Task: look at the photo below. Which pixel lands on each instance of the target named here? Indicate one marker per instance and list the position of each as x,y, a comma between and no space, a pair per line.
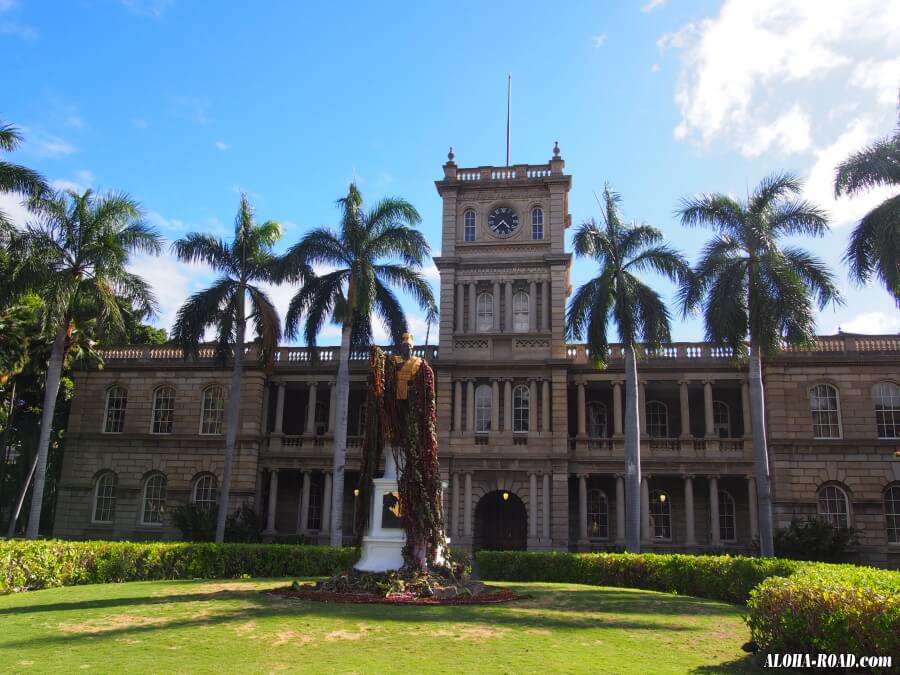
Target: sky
185,105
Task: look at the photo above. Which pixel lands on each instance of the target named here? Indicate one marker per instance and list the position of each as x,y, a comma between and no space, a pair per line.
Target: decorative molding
531,343
470,344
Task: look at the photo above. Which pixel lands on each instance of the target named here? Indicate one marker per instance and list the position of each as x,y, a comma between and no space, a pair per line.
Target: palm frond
204,248
877,164
201,310
874,247
266,323
388,309
772,189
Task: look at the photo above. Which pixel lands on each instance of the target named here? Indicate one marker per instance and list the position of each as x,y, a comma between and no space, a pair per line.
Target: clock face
503,221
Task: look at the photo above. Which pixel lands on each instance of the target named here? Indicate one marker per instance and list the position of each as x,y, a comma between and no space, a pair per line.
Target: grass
229,626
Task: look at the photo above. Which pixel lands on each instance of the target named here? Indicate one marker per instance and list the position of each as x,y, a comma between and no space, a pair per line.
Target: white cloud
11,205
85,176
11,26
881,77
653,4
654,68
872,323
42,144
599,39
172,282
67,185
789,134
222,145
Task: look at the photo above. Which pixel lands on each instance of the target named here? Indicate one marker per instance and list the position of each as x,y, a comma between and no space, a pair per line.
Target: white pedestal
382,548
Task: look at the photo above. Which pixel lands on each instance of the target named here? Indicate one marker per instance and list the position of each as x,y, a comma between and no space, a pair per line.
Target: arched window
887,409
892,513
104,498
520,408
520,312
485,312
154,499
482,409
727,530
826,412
537,223
361,420
833,506
116,402
212,412
596,413
721,419
163,410
314,514
660,515
205,494
597,515
469,225
657,419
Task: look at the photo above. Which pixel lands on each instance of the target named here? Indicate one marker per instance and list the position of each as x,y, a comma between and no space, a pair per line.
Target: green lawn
228,626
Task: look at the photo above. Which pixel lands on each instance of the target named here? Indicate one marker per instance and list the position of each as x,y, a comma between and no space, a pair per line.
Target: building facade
530,432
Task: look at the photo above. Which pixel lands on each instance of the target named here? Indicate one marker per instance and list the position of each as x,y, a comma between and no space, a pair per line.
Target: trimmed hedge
31,565
828,609
715,577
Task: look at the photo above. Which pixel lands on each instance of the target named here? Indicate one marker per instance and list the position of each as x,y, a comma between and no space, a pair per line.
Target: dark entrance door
500,524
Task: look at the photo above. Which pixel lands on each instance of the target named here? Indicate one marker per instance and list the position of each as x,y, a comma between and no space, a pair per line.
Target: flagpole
508,102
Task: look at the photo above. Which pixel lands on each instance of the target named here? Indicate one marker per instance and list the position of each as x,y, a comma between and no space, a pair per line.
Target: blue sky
185,105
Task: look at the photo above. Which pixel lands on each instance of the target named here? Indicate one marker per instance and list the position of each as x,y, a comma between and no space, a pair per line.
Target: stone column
620,509
507,314
460,307
532,406
311,408
467,507
645,509
745,407
708,408
304,503
582,507
454,504
332,406
642,407
326,504
752,507
714,535
279,408
532,306
684,399
470,406
495,299
689,537
545,406
507,406
545,506
581,409
273,501
617,409
545,305
457,406
532,506
473,288
495,406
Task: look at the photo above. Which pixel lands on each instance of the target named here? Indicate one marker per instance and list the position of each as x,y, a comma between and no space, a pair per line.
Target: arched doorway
501,522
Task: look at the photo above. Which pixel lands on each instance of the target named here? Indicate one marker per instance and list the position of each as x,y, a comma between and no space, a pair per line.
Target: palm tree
874,247
373,250
750,287
75,256
242,264
15,178
637,310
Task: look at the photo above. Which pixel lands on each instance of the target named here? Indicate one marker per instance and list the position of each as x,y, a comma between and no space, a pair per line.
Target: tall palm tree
15,178
243,264
75,256
755,293
618,295
372,251
874,248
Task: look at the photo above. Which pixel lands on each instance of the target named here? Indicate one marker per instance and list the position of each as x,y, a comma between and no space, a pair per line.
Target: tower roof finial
450,155
556,149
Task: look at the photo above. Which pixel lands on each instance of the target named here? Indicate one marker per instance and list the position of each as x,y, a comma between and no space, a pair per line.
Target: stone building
530,432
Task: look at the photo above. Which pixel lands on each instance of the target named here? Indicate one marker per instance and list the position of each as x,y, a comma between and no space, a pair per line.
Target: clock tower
502,412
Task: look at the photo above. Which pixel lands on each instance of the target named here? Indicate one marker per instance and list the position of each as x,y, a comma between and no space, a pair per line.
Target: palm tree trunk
340,438
20,500
51,390
632,456
760,452
234,415
4,439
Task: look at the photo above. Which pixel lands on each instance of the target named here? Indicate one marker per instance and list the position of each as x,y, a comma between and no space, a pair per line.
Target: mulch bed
495,595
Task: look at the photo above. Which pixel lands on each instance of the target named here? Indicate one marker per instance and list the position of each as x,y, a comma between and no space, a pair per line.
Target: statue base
382,547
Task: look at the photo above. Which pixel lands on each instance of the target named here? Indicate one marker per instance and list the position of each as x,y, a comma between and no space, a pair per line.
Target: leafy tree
874,248
639,313
751,288
243,264
15,178
372,251
75,255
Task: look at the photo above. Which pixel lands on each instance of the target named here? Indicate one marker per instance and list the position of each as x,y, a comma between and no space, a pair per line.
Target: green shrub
198,523
716,577
31,565
829,609
814,539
